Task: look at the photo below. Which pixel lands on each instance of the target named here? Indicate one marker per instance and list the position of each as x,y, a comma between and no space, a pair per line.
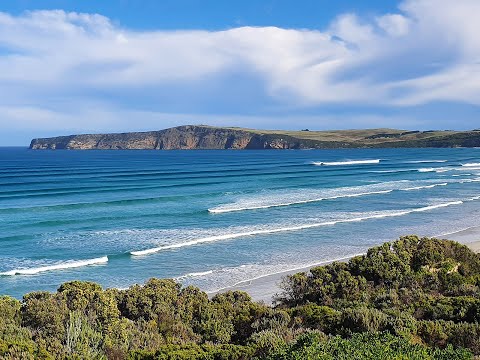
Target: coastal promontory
191,137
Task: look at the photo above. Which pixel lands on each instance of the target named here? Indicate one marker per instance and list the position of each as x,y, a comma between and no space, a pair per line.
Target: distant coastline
192,137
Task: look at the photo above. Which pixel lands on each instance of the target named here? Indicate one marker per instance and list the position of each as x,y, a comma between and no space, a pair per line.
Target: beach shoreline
264,288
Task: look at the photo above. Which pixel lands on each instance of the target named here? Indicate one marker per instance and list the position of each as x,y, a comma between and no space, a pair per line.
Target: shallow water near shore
217,218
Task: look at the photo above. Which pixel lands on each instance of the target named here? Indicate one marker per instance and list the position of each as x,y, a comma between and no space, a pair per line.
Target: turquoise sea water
216,218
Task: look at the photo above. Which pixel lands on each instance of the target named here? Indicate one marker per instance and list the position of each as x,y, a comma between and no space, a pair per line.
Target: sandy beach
265,287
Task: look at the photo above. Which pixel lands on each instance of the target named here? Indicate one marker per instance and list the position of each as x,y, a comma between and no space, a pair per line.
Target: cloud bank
69,71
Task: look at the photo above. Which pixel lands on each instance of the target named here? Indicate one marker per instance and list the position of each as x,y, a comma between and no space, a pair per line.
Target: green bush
363,346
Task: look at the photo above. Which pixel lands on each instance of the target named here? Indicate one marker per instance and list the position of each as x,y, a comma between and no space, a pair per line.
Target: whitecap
59,266
425,161
195,274
347,162
424,187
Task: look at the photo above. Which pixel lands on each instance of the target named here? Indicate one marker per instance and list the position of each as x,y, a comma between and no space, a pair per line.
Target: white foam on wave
424,187
60,266
437,170
391,171
297,202
195,274
347,162
465,167
298,197
254,232
463,181
432,207
425,161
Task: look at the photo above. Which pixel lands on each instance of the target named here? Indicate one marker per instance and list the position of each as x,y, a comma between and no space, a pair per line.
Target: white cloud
394,24
102,119
427,52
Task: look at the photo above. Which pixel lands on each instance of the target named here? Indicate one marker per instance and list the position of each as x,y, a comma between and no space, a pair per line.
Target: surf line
287,229
227,209
60,266
219,210
341,163
194,274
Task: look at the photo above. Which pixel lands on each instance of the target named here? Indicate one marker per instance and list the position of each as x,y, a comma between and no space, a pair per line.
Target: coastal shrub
461,335
242,311
362,319
82,340
266,342
397,274
363,346
314,316
194,352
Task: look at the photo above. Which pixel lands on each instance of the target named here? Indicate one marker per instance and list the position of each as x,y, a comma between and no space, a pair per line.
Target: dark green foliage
193,351
410,299
426,289
319,317
399,271
364,346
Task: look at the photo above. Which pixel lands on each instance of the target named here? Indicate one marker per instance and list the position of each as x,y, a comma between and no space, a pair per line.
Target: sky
89,66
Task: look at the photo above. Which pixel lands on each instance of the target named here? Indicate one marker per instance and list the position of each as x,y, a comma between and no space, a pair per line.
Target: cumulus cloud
62,62
394,24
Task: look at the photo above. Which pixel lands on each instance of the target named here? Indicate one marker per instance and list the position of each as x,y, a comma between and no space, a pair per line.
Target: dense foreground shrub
363,346
410,299
192,352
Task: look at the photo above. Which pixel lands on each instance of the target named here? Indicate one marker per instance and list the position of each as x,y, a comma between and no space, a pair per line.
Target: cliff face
182,137
206,137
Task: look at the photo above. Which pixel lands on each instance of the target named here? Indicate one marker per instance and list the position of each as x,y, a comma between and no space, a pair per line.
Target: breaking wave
349,162
393,171
424,187
61,266
297,202
195,274
425,161
299,198
288,228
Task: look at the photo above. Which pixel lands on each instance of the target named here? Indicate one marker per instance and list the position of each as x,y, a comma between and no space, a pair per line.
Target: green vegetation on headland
209,137
410,299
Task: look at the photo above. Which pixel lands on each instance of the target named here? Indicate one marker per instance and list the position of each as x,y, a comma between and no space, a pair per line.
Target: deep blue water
215,218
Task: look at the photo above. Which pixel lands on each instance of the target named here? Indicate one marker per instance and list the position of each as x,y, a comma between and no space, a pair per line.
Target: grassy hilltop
410,299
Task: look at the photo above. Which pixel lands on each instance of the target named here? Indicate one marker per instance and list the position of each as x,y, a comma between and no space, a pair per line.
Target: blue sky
108,66
210,14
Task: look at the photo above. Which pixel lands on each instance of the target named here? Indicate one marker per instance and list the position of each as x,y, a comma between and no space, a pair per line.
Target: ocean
216,218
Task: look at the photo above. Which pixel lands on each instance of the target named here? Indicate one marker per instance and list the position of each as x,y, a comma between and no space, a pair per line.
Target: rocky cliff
207,137
182,137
